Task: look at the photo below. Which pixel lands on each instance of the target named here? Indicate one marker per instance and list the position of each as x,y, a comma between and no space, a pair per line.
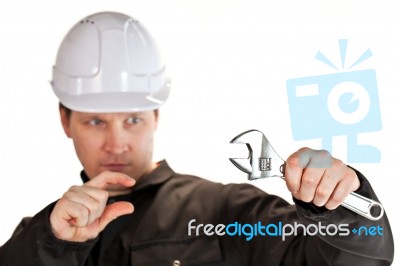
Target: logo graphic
344,103
279,229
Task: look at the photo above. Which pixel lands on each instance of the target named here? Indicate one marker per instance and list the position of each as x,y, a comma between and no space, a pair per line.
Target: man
111,81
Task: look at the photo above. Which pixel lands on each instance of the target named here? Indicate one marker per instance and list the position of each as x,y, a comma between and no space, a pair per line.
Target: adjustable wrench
264,162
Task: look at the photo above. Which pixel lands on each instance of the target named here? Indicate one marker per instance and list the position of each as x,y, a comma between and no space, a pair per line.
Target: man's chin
119,168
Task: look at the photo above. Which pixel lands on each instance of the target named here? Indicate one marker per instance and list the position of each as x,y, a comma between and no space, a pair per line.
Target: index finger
105,179
294,167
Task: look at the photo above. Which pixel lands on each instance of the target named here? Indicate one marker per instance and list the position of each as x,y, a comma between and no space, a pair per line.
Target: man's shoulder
22,225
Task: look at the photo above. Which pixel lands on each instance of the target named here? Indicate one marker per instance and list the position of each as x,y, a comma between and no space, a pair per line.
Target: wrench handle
363,206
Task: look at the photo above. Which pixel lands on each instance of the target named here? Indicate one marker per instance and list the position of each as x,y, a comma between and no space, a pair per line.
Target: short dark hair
68,111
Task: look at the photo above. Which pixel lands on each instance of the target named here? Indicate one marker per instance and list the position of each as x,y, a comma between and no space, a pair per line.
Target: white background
229,61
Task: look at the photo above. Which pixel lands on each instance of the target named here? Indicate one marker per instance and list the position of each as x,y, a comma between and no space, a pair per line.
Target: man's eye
95,122
133,120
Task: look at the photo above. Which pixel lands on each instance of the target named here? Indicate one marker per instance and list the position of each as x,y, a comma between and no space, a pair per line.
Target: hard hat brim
113,102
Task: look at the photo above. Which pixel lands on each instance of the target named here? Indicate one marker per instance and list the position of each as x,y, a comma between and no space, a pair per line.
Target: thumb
113,211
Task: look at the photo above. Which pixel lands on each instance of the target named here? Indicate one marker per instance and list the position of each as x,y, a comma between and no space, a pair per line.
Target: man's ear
65,121
156,116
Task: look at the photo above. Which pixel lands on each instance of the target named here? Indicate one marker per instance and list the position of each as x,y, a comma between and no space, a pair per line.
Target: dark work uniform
157,232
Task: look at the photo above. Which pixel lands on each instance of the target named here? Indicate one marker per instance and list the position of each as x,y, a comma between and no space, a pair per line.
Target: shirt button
176,263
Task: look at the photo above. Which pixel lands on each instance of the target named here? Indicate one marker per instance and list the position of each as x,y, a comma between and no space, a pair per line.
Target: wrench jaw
263,161
242,164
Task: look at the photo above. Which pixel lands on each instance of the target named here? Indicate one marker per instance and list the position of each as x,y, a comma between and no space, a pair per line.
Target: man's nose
116,140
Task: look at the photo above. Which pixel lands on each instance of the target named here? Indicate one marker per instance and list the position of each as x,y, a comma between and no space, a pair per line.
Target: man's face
118,142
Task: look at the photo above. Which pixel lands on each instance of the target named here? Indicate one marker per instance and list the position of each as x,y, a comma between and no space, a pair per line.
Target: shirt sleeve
275,232
33,243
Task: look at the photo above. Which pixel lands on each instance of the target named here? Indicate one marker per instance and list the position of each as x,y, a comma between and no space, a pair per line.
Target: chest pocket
199,250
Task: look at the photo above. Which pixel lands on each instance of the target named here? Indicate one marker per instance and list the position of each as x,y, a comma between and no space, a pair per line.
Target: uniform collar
159,175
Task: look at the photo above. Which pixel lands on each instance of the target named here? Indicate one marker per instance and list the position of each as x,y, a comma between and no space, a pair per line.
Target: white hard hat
108,62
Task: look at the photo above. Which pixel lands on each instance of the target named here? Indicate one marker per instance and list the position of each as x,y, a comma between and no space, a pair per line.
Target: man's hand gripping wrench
264,162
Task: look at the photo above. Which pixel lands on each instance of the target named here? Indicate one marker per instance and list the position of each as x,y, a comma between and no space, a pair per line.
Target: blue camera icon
345,103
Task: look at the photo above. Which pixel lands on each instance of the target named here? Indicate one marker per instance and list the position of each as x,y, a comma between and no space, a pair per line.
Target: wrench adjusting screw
264,164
